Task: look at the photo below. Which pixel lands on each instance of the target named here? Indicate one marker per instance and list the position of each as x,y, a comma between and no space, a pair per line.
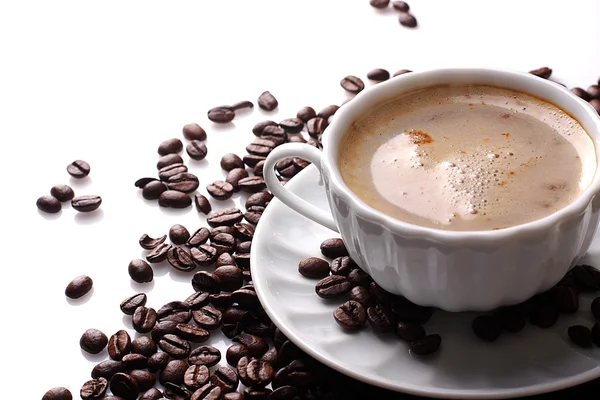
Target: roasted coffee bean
379,3
174,199
543,72
153,190
149,243
285,393
332,286
221,114
198,238
196,376
279,338
380,74
426,345
159,253
93,341
125,386
260,147
358,277
333,248
192,333
261,199
351,315
596,104
197,300
222,229
380,318
235,352
180,259
174,346
205,355
254,373
587,278
158,361
230,277
226,217
594,91
407,19
144,319
595,308
253,214
296,373
292,125
351,83
256,345
208,392
194,132
580,335
107,369
287,168
171,170
296,139
174,311
246,299
140,183
271,356
258,169
208,317
243,231
257,393
233,178
244,247
94,389
543,315
243,261
362,295
204,281
233,396
342,265
381,295
220,190
512,319
79,287
167,160
267,101
240,105
144,345
58,393
178,234
175,392
119,345
409,331
48,204
404,309
306,113
225,259
170,146
140,271
163,328
328,111
579,92
566,299
184,182
259,127
78,169
62,192
315,142
173,372
203,255
275,134
197,150
486,327
225,378
251,160
400,6
221,300
202,203
231,161
86,203
152,394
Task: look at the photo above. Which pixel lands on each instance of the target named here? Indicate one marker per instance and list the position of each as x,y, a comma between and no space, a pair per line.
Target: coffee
467,158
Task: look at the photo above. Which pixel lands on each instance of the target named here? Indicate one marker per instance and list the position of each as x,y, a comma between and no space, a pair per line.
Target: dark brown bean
407,19
230,161
174,199
352,84
596,104
486,327
381,318
342,265
174,311
401,72
159,253
292,125
176,392
149,243
333,248
202,203
594,91
58,393
119,345
580,335
400,6
543,72
203,255
79,287
379,3
253,214
144,345
379,74
221,114
129,305
426,345
153,190
220,190
579,92
595,308
48,204
242,104
235,175
225,259
252,184
261,199
192,333
93,389
144,319
198,238
62,192
314,268
178,234
208,317
167,160
93,341
544,315
170,146
196,376
107,369
78,169
351,315
86,203
144,379
194,132
158,361
140,271
260,147
332,286
362,295
207,392
267,101
409,331
256,345
259,127
223,243
196,300
174,346
230,277
151,394
205,355
226,217
566,299
184,182
225,378
197,150
170,170
306,113
251,160
275,134
173,372
358,277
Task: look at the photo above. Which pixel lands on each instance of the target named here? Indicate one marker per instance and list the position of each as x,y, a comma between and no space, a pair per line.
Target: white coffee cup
451,270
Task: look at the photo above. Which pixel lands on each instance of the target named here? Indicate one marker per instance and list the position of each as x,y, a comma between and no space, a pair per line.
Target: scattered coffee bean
140,271
333,248
486,327
351,83
252,184
358,277
134,361
199,237
225,259
259,127
178,234
400,6
379,3
328,111
267,101
168,159
256,345
220,190
144,345
314,268
276,134
407,19
203,255
158,362
378,74
144,319
175,392
253,393
192,333
594,91
222,229
234,176
94,389
78,169
197,150
174,311
243,247
306,113
163,328
159,253
543,72
124,386
79,286
254,373
170,170
426,345
48,204
230,277
226,217
580,335
221,114
205,355
173,372
261,199
230,161
260,147
194,132
208,317
292,125
207,392
251,160
243,231
93,341
235,352
296,139
174,199
246,299
253,214
119,345
180,259
258,169
285,393
153,190
196,376
579,92
62,192
184,182
170,146
544,316
86,203
149,243
202,203
566,299
225,378
107,369
175,346
58,393
197,300
152,394
362,295
351,315
140,183
381,318
242,104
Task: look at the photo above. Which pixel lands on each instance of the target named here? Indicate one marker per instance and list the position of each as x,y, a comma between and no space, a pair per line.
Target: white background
108,81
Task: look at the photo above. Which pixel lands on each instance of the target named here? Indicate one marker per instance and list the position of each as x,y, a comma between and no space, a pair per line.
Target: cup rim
345,116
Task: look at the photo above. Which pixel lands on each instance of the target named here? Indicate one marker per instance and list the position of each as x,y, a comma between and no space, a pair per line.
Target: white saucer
531,362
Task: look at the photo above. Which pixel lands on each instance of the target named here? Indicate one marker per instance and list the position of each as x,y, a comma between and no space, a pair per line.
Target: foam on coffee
467,158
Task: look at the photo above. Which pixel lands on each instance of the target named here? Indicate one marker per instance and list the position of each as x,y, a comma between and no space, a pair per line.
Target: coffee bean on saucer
226,217
178,234
378,74
595,307
342,265
78,169
594,91
379,3
159,253
140,271
352,84
426,345
358,277
543,72
566,299
86,203
48,204
58,393
407,19
351,315
400,6
380,318
153,190
332,286
306,113
180,259
93,341
362,295
184,182
409,331
79,286
579,92
486,327
205,355
580,335
587,278
267,101
221,114
168,159
543,315
174,199
62,192
596,104
220,190
402,72
314,268
144,319
333,248
93,389
512,319
170,170
194,132
197,150
261,199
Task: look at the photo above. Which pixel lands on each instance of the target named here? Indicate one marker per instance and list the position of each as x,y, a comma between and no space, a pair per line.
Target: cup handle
288,198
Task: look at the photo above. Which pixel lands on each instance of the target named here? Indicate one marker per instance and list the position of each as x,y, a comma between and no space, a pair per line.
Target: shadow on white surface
79,184
142,287
127,321
82,300
181,276
49,216
160,269
89,218
95,358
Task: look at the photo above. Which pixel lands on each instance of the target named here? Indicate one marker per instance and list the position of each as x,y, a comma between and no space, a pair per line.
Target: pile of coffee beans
404,16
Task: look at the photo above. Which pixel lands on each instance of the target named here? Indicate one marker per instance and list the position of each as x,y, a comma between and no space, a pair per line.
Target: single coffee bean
246,299
221,300
107,369
174,311
220,190
382,296
306,113
256,345
221,114
342,265
167,160
409,331
351,83
596,104
58,393
231,161
78,169
358,277
203,255
144,319
174,199
153,190
170,146
243,247
86,203
222,229
260,147
197,150
173,372
253,214
486,327
205,355
225,378
202,203
230,277
261,199
174,346
579,92
124,386
194,132
333,248
144,345
149,243
259,127
580,335
134,361
93,341
227,217
93,389
271,356
543,72
275,134
235,352
225,259
400,6
196,376
566,299
333,286
152,394
180,259
198,238
192,333
407,19
243,231
170,170
351,315
379,74
158,361
140,271
252,184
254,373
267,101
159,253
426,345
594,91
235,175
362,295
140,183
48,204
595,307
380,318
251,160
175,392
328,111
287,168
379,3
586,278
292,125
178,234
208,392
163,328
197,300
208,317
119,345
79,287
62,192
242,104
544,316
258,169
144,379
232,330
184,182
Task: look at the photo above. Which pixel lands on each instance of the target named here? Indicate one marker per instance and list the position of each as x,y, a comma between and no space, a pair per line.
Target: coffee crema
467,158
